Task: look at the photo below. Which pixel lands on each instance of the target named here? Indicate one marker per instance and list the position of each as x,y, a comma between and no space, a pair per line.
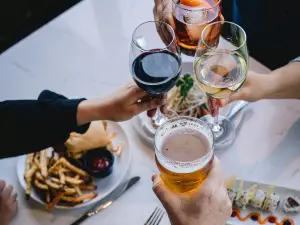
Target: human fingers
134,93
214,179
166,196
13,197
150,104
6,192
151,112
2,185
162,11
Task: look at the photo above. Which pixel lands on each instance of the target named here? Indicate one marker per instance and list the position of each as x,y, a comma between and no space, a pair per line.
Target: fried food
97,136
58,181
80,198
43,163
28,178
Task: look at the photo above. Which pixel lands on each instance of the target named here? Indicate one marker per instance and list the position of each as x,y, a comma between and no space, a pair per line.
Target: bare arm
283,83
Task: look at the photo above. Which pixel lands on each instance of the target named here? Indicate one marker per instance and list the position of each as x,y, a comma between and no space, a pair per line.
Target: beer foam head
184,144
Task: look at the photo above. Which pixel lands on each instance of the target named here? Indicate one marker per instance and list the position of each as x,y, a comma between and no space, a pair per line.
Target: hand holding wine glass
220,68
155,64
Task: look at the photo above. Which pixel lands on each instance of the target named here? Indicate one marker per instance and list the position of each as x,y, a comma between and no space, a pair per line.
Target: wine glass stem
216,126
159,113
158,118
214,109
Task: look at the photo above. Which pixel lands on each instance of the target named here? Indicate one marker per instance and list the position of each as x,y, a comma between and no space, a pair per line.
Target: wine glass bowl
155,63
220,69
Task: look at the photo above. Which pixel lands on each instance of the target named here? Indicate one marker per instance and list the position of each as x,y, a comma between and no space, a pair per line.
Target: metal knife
108,200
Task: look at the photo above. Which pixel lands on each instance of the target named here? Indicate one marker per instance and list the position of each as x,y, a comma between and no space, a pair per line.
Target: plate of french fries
56,181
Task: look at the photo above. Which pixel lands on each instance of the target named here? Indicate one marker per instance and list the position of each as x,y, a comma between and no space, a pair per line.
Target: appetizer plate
105,185
142,123
243,217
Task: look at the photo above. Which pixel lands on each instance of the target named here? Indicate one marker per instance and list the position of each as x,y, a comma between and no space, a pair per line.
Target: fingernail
153,177
156,180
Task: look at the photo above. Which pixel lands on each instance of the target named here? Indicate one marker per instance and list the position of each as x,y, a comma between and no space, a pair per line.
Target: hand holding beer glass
184,152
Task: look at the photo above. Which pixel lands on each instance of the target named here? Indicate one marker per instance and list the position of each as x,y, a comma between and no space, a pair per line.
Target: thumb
232,98
151,104
166,197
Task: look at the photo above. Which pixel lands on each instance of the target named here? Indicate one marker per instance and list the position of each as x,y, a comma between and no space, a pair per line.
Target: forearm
32,125
91,110
284,82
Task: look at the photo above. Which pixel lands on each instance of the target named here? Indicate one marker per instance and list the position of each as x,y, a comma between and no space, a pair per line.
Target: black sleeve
32,125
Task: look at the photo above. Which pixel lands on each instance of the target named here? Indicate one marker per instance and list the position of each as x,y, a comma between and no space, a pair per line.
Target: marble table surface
84,53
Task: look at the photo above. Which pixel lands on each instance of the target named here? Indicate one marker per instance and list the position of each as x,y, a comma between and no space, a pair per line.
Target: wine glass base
223,137
157,121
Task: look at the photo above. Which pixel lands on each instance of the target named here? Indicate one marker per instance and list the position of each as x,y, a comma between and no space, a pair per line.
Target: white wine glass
220,69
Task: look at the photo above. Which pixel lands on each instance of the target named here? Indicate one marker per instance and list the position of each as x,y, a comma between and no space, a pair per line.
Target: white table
84,52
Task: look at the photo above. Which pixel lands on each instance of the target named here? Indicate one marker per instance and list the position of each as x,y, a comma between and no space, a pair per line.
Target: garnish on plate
187,99
185,84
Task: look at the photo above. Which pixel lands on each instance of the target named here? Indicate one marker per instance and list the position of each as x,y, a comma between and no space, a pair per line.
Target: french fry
37,163
43,163
28,178
88,187
75,181
80,198
73,168
52,204
52,185
48,199
62,176
78,191
70,191
29,160
39,176
55,180
30,172
56,164
40,185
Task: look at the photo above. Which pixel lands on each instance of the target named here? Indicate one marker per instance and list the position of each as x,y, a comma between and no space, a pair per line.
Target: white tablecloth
84,52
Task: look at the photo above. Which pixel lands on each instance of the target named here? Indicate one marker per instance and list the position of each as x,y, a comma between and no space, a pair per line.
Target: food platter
142,123
104,185
285,205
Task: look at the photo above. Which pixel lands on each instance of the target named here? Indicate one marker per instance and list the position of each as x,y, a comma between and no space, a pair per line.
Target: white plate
105,185
283,193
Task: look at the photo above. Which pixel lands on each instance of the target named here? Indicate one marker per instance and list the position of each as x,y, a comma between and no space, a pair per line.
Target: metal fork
155,217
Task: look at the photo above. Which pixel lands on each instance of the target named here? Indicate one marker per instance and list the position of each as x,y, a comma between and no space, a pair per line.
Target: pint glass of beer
184,152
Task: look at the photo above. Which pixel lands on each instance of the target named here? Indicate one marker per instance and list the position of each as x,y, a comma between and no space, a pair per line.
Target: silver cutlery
155,217
108,200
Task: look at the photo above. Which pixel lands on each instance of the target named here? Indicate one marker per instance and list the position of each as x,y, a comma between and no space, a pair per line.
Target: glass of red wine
155,63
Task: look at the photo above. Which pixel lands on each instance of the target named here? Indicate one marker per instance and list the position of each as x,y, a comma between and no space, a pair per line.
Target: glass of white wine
220,68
